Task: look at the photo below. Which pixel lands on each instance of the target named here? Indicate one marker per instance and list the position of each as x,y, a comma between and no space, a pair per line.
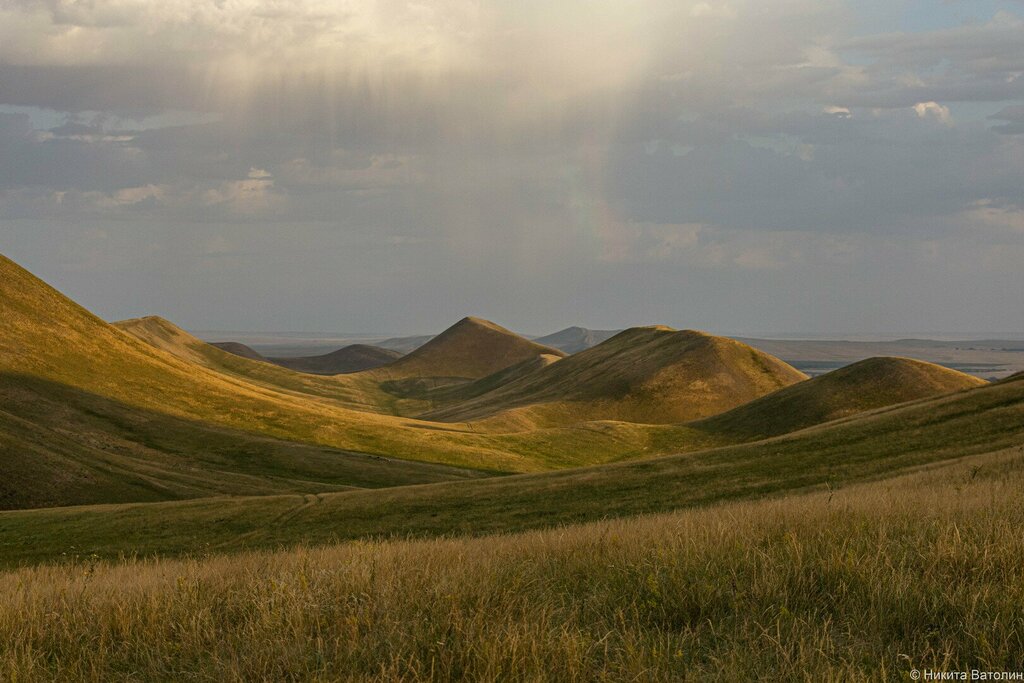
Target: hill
987,419
404,345
55,354
65,372
470,349
575,339
867,385
239,349
348,392
644,374
349,359
987,359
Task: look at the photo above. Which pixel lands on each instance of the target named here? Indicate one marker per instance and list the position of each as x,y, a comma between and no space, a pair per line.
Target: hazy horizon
827,167
320,337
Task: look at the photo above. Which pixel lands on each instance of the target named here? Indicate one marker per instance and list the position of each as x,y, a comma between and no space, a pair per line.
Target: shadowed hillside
352,358
470,349
645,374
63,446
867,385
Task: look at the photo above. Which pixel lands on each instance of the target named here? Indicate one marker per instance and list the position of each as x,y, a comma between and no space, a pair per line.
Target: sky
384,166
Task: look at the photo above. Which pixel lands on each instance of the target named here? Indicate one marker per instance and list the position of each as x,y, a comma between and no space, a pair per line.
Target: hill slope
988,419
54,353
352,358
644,374
575,339
349,392
867,385
470,349
49,339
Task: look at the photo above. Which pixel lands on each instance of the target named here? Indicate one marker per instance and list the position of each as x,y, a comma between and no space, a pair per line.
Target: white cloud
934,111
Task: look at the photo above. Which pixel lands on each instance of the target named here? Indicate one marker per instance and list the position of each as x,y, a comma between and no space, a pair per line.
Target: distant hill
987,359
470,349
240,349
352,358
576,339
348,359
404,345
857,388
644,374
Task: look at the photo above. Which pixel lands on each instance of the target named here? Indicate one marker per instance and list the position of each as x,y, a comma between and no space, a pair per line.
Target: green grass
880,444
857,584
63,446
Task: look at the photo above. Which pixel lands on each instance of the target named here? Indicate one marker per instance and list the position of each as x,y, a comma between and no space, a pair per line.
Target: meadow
862,583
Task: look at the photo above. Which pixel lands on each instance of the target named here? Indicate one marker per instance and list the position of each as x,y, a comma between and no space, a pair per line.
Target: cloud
511,149
934,111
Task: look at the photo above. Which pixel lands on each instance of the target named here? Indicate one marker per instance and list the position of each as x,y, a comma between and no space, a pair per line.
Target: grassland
855,584
880,444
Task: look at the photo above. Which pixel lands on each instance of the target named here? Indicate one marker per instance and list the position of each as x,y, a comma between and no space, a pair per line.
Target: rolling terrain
50,341
642,375
851,390
193,507
145,412
881,443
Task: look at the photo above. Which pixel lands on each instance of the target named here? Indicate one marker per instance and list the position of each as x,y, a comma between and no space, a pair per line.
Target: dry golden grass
923,570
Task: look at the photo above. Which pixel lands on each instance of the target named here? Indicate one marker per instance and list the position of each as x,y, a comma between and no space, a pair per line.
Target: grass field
861,583
877,445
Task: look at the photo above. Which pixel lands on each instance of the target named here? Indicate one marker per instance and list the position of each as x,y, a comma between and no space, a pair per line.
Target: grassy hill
49,339
55,353
862,583
644,375
64,446
470,349
349,359
92,413
867,385
982,420
357,393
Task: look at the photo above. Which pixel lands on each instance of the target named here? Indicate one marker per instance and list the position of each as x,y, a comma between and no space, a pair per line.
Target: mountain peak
471,348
